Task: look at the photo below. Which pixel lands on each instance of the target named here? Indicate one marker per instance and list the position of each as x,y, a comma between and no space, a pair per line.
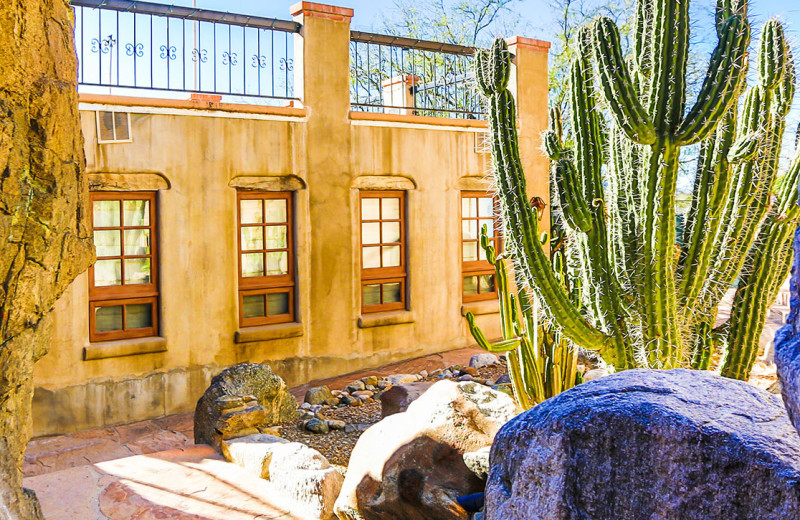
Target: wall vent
113,127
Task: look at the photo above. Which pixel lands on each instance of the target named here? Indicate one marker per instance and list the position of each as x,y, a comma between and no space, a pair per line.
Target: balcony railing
124,44
397,75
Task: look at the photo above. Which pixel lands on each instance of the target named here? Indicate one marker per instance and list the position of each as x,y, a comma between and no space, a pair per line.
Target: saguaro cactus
644,301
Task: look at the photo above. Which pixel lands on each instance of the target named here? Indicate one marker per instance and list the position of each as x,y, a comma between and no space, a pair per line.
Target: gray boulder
483,360
787,359
648,445
242,400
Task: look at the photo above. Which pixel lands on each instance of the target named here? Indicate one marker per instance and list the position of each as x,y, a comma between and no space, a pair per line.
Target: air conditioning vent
113,127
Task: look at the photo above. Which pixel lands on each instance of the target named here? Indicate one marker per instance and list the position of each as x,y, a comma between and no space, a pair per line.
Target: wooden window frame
123,295
479,267
383,275
267,284
114,140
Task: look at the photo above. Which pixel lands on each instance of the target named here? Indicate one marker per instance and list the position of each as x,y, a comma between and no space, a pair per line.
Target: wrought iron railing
398,75
124,44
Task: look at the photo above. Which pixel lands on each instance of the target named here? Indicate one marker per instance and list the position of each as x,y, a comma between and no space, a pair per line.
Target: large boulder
787,358
646,444
397,398
410,465
244,399
302,479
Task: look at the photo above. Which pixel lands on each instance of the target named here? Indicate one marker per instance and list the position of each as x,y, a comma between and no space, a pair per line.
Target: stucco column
529,84
322,57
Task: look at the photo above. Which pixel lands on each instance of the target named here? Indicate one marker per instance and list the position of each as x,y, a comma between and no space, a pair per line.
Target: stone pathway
193,483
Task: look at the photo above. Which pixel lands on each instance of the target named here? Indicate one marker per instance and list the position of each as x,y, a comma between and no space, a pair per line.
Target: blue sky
369,13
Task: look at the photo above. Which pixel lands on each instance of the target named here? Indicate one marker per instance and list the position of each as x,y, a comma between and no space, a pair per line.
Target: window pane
106,243
107,272
252,238
137,241
487,283
470,250
392,292
372,257
106,213
252,264
372,295
370,209
469,229
137,270
277,303
469,207
137,212
277,263
108,318
275,210
253,306
391,232
277,237
121,125
470,285
485,207
390,209
391,256
251,211
106,126
481,253
489,227
371,233
139,316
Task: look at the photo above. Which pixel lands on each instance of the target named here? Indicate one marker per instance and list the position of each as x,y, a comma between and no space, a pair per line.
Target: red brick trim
529,43
315,10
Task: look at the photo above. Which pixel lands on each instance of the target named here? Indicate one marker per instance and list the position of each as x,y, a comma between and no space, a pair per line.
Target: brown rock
397,398
240,384
410,465
44,238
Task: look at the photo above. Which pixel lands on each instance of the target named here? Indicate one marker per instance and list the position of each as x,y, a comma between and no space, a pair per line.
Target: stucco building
319,236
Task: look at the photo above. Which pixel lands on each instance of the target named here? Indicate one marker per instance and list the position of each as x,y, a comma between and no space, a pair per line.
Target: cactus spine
643,302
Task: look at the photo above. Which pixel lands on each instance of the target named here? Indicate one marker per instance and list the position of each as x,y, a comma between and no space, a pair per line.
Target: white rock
595,373
253,452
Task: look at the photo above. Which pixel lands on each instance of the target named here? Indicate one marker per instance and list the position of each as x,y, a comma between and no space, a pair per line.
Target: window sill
268,332
478,308
381,319
124,347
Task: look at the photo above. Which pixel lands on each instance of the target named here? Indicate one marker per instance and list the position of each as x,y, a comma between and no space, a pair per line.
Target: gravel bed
337,445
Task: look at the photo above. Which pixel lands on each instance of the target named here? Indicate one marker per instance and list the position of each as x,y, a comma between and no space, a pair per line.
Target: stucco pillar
529,84
322,57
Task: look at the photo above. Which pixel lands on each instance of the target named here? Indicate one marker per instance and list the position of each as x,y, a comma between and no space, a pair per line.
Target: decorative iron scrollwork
229,58
168,52
200,55
259,61
137,50
286,64
105,45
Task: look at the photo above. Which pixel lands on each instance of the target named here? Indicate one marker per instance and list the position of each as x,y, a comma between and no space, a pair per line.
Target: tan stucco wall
323,153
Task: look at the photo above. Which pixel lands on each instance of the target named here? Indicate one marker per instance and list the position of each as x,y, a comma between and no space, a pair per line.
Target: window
266,262
383,264
123,282
478,209
113,127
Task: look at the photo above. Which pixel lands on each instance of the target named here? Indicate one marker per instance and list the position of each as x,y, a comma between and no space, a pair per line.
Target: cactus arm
618,88
572,203
667,95
521,221
709,199
721,84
